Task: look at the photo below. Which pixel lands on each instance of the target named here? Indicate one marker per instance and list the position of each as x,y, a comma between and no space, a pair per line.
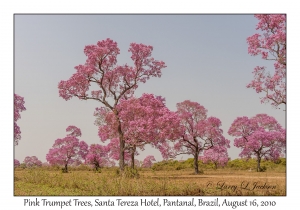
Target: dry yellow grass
156,183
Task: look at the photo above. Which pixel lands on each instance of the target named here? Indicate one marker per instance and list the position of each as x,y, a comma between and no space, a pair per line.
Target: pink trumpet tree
98,156
260,136
148,161
68,150
16,163
18,107
196,134
32,161
145,120
111,81
271,45
217,155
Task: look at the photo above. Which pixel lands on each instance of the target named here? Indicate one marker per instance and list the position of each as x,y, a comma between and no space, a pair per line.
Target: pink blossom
148,161
68,150
113,148
74,131
16,163
271,44
260,136
98,156
195,133
32,161
145,120
113,82
217,155
18,107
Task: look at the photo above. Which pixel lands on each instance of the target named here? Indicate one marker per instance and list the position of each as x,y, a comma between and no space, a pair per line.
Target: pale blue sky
206,57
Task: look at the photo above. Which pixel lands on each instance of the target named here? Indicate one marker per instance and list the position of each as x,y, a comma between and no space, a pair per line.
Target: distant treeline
236,164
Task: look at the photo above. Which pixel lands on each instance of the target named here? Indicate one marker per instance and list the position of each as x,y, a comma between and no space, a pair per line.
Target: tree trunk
97,166
196,163
121,160
132,159
66,168
216,165
258,164
122,146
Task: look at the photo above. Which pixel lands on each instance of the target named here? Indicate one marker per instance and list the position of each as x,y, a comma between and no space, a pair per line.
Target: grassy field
227,182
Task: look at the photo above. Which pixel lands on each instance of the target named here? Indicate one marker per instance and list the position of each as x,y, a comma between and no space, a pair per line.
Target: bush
243,164
130,173
200,171
263,169
283,161
117,171
22,165
81,167
236,164
179,165
63,170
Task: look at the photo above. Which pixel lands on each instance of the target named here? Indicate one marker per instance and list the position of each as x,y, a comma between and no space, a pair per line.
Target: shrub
130,173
